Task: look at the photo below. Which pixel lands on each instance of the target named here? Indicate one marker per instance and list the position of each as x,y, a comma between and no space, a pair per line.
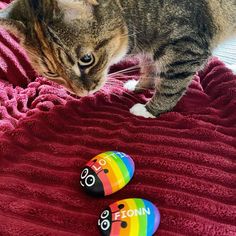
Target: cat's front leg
165,97
170,92
176,75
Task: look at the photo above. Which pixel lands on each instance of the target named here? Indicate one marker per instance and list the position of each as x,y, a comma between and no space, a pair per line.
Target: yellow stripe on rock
109,161
134,228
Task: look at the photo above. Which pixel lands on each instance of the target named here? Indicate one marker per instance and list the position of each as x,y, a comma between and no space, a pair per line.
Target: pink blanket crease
185,159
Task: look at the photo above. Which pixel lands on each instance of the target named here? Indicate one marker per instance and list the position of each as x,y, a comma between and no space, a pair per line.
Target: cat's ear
72,3
80,9
11,21
92,2
19,16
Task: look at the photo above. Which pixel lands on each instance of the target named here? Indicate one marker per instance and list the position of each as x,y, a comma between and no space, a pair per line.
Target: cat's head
72,42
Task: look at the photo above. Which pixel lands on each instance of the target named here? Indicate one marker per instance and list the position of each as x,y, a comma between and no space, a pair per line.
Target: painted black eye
105,214
90,180
123,224
121,206
105,225
86,60
50,74
84,173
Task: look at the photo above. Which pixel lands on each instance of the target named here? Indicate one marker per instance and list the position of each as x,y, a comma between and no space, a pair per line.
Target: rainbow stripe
153,220
144,223
120,170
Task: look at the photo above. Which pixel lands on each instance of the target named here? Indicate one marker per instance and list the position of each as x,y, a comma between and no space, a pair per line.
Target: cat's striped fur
176,37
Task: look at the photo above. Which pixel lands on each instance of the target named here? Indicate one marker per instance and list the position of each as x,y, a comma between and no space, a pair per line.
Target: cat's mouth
78,89
80,92
70,87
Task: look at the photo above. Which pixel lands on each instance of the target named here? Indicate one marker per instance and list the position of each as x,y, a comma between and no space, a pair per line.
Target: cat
75,42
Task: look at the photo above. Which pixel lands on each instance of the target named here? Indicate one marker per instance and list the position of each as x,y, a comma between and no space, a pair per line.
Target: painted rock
129,217
107,173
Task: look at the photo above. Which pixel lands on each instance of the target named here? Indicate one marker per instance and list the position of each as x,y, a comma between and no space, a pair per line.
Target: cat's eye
86,60
50,74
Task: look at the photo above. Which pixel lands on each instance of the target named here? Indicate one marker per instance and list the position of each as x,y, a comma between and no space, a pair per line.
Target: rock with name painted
134,216
107,173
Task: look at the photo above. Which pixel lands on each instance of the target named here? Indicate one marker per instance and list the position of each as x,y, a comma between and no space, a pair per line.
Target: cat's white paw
233,68
131,84
140,110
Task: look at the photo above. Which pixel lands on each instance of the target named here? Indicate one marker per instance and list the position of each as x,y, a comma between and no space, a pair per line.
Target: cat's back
221,15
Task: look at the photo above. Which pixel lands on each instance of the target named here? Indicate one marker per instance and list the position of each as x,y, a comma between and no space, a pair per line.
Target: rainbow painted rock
129,217
107,173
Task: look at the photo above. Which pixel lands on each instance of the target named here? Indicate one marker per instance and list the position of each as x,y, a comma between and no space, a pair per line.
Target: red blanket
185,160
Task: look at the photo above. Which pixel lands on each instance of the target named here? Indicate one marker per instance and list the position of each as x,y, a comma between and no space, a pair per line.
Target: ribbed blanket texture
185,159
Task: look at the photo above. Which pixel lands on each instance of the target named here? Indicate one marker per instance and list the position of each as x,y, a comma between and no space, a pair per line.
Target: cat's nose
87,82
91,92
82,93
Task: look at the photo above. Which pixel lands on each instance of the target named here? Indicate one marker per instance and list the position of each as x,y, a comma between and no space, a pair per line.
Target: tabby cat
75,42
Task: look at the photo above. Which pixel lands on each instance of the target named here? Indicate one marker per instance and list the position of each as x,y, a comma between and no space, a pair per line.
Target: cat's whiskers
116,95
120,83
132,77
113,84
131,35
123,76
122,89
132,68
123,73
128,95
122,94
